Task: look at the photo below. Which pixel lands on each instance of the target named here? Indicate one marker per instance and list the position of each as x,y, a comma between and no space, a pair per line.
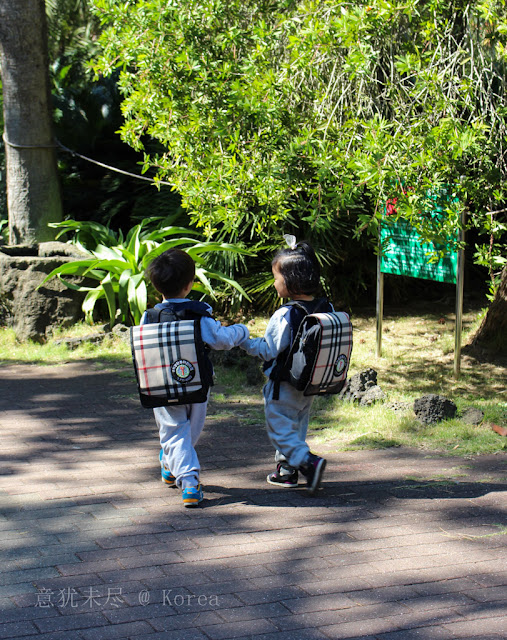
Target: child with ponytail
296,274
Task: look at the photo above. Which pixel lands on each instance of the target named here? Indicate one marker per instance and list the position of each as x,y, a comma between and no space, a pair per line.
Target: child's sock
189,483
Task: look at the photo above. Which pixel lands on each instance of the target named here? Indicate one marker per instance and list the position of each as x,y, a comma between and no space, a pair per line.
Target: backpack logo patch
183,371
340,365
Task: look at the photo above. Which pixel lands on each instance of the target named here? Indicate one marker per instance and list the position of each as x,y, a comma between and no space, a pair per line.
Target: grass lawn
417,359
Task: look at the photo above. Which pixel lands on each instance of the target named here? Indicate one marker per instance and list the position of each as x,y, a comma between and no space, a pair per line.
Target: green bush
281,116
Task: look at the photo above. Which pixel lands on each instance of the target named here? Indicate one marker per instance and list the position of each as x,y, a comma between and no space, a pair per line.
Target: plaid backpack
318,358
170,359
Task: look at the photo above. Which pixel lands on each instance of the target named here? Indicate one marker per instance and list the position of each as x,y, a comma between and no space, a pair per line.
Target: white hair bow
290,240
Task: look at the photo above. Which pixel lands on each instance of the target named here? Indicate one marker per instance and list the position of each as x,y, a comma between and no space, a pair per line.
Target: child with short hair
287,410
172,274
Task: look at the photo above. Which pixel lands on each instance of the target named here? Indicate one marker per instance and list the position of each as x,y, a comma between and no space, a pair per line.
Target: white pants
179,428
287,422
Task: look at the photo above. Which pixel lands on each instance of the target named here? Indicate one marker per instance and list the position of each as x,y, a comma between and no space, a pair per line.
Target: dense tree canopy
273,112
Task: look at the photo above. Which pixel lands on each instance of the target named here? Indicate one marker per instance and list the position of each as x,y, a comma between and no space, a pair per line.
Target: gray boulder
74,343
55,248
433,408
362,388
122,331
472,416
34,313
372,395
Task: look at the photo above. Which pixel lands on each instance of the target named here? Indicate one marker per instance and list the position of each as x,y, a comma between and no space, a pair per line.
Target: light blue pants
287,422
179,428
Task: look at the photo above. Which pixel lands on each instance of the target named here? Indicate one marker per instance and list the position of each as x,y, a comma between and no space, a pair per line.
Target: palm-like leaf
119,265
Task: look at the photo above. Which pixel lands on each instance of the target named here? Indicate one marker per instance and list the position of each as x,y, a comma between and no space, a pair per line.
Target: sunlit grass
112,349
350,427
417,359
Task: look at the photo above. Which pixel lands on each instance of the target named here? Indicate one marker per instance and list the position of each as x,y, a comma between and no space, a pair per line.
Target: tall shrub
276,113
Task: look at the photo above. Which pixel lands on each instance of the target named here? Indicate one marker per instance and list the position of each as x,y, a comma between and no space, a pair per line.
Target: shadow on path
388,545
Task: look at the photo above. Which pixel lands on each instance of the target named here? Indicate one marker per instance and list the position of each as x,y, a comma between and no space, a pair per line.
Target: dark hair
171,271
300,269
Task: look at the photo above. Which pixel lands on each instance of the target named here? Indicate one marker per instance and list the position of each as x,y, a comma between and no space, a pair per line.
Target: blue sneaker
167,476
313,468
192,496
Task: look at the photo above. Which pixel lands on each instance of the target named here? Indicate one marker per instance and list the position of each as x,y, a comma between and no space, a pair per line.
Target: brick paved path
398,545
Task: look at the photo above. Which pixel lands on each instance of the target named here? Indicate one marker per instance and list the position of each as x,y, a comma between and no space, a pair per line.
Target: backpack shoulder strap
188,310
152,315
192,309
160,314
297,312
322,305
299,309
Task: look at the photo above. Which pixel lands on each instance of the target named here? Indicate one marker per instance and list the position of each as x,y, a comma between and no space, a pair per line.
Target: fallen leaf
502,431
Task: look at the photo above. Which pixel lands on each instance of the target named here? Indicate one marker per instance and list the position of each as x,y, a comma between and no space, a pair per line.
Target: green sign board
405,254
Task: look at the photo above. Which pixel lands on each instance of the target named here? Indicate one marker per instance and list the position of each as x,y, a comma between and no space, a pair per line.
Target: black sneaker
283,480
313,469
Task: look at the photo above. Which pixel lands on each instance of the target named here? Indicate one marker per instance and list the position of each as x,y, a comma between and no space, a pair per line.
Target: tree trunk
33,188
492,333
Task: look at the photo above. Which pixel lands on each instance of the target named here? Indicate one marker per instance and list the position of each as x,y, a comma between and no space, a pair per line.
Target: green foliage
71,28
274,114
4,228
493,255
81,107
118,264
86,114
244,160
